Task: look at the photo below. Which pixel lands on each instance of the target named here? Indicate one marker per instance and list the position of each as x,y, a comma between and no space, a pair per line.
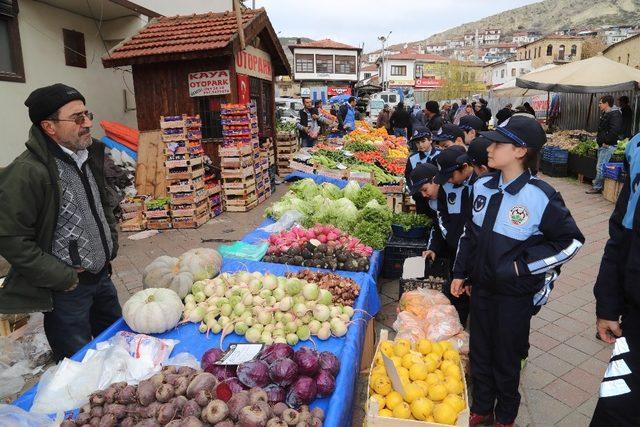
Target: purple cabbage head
276,351
307,360
275,394
210,357
302,392
325,383
254,373
330,362
283,372
221,372
235,385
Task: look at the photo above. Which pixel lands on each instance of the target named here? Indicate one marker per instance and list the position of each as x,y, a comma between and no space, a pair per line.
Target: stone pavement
560,383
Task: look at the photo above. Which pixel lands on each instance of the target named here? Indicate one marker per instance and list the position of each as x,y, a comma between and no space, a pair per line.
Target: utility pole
236,6
383,73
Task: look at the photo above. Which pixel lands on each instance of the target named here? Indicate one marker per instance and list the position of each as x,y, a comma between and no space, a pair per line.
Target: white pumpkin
153,311
178,274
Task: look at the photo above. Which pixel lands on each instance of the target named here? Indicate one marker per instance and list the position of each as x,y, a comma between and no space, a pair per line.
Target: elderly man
56,228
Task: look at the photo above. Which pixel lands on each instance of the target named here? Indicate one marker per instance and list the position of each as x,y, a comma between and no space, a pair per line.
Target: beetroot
275,394
276,351
329,362
235,385
190,408
236,403
307,360
252,416
302,392
254,373
283,372
202,381
210,357
215,411
325,383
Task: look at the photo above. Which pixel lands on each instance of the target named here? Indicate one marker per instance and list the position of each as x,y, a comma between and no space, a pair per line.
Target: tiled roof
369,67
417,56
181,34
325,44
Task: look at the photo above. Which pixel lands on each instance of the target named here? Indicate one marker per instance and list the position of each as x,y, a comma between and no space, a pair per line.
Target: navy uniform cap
448,163
420,135
520,131
424,173
468,123
477,152
448,132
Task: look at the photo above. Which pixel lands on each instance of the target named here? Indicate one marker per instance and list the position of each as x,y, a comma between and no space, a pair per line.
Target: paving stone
535,377
537,322
571,325
542,341
583,380
574,419
584,344
569,354
544,409
583,316
589,406
561,307
548,314
604,354
594,366
566,393
552,364
557,332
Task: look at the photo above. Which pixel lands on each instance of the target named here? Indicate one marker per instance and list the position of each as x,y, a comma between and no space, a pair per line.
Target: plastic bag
183,359
460,342
12,416
442,325
409,327
153,350
419,301
288,220
244,250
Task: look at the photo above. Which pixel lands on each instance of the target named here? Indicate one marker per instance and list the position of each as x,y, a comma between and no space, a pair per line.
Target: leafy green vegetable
360,146
305,188
585,148
158,203
373,226
351,190
288,202
409,220
369,192
330,191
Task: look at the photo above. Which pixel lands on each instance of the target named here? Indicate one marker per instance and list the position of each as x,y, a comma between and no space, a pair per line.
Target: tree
459,82
592,46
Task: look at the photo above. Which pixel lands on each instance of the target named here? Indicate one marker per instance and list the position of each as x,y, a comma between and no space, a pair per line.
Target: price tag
240,353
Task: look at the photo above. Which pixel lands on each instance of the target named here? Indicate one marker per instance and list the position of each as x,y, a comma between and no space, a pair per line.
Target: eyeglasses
78,118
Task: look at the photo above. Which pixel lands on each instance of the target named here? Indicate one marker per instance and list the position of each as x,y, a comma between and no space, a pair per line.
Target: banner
255,63
209,83
338,90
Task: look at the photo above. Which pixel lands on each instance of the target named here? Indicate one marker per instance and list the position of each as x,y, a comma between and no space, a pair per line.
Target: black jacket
609,128
434,123
616,288
503,115
400,119
627,121
485,116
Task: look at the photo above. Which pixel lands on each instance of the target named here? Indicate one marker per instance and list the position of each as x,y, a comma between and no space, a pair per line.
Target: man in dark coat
609,132
627,116
400,121
432,115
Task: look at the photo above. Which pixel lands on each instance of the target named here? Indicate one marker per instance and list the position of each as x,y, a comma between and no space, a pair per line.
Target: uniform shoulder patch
479,203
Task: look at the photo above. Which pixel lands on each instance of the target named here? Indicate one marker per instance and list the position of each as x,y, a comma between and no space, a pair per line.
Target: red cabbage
275,394
210,357
325,383
307,360
221,372
234,384
254,373
283,372
276,351
302,392
329,362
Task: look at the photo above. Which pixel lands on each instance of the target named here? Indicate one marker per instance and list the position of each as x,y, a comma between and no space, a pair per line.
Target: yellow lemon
456,402
401,347
382,385
440,374
423,385
437,348
444,414
437,392
435,357
402,371
421,408
385,413
379,370
446,345
396,361
418,371
433,378
403,410
413,392
451,355
424,346
377,360
445,363
453,371
410,359
430,419
387,348
379,399
453,385
431,364
393,399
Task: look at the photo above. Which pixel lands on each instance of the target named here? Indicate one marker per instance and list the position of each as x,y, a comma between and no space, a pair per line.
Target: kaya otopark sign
208,83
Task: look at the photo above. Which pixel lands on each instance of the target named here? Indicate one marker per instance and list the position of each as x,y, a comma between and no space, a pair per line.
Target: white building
491,36
62,41
367,71
501,72
524,37
455,43
436,48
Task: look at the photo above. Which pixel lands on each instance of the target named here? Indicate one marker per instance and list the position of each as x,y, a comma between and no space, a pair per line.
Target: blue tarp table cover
339,406
319,179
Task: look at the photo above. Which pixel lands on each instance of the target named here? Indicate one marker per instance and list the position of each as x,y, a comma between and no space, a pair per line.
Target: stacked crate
214,192
286,147
184,165
157,214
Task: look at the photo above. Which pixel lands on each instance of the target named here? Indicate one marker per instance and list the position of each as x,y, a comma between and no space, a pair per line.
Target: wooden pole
236,6
586,126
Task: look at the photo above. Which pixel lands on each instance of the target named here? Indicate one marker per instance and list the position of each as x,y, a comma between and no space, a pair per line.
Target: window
74,50
393,99
549,50
561,52
539,51
419,71
345,64
529,54
502,74
324,63
465,77
574,50
398,70
367,75
513,72
619,59
304,63
11,66
628,58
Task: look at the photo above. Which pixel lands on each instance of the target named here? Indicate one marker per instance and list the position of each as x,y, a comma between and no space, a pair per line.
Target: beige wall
626,52
43,54
187,7
530,51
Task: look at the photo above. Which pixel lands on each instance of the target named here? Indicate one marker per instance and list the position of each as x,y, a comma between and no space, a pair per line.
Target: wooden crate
395,202
193,210
134,224
150,171
187,134
156,213
302,167
244,200
181,121
228,183
159,224
188,198
238,173
185,188
183,163
240,191
247,208
11,322
190,173
236,162
192,222
611,190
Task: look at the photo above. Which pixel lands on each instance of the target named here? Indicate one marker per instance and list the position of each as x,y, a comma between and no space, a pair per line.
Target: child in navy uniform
510,253
618,303
426,153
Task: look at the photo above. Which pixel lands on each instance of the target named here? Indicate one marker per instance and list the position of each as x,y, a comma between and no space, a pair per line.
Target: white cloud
360,21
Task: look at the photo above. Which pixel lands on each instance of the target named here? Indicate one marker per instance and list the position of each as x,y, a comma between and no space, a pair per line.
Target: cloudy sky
362,21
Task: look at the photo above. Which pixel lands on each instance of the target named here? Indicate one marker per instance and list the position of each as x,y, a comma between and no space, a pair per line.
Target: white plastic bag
286,221
12,416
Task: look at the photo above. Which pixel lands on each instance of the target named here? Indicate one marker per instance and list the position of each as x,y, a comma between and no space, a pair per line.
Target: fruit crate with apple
432,391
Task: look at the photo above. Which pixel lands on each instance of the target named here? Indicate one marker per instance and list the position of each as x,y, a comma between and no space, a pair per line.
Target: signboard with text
338,90
209,83
254,62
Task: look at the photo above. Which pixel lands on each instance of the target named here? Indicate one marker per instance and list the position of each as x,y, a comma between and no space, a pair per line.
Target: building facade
625,52
553,49
501,72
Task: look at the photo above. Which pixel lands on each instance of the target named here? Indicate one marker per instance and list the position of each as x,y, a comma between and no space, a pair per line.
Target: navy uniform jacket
454,210
417,159
618,285
517,238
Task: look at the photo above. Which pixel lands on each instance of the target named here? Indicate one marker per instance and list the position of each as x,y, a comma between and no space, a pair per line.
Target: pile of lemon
431,377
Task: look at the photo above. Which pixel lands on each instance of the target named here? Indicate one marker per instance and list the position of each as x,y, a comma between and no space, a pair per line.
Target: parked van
374,108
294,104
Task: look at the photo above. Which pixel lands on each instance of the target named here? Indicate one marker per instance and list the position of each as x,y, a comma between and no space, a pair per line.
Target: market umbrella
510,90
593,75
339,99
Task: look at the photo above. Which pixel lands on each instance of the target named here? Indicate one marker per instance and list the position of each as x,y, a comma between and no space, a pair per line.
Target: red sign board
243,89
338,90
429,83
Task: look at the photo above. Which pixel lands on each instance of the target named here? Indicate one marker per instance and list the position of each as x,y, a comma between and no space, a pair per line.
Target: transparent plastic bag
286,221
419,301
460,342
409,327
12,416
444,328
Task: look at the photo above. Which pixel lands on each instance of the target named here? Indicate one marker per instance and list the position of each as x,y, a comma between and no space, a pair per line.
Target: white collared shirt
80,157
